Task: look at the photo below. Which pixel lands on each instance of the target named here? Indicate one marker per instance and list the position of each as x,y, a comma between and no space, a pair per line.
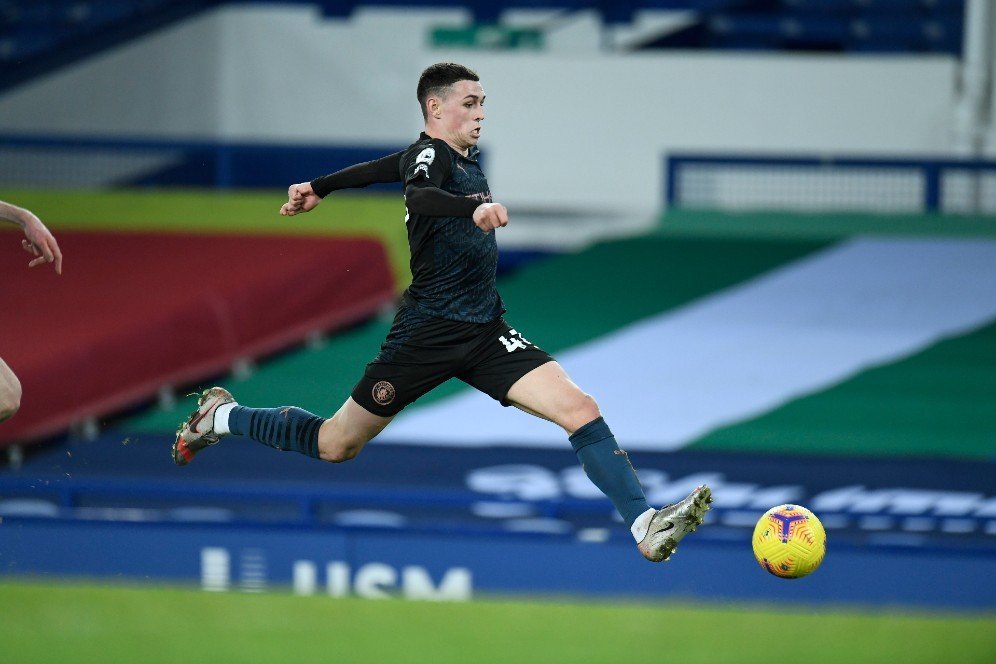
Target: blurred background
761,233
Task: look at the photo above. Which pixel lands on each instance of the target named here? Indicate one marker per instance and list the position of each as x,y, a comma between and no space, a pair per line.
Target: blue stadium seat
827,25
25,44
42,35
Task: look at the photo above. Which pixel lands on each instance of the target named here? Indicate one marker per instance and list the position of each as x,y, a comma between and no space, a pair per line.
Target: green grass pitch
78,622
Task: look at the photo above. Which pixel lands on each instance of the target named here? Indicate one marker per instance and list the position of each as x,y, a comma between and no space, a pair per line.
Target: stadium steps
37,38
135,313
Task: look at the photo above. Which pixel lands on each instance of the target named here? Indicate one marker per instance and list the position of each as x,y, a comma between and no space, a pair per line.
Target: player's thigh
548,392
498,358
342,436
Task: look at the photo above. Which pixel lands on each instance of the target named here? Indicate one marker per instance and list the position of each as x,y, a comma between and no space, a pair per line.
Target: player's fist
489,216
300,198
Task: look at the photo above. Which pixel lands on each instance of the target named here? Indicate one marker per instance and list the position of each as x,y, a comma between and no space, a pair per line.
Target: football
789,541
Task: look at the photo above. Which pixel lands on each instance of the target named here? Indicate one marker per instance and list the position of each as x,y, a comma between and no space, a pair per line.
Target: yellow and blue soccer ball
789,541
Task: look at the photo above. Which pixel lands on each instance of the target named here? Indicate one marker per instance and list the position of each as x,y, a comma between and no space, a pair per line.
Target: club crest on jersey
423,160
383,393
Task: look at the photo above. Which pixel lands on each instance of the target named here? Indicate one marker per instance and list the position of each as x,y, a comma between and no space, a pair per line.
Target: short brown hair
438,77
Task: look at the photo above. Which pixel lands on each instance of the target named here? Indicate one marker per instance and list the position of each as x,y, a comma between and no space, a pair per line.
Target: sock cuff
221,415
593,432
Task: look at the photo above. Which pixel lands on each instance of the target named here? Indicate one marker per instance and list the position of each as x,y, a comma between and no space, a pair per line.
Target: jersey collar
472,153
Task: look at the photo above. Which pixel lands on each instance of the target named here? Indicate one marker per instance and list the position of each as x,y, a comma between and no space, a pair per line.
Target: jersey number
515,342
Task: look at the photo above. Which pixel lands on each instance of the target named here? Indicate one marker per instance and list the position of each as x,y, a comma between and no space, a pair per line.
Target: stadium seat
41,36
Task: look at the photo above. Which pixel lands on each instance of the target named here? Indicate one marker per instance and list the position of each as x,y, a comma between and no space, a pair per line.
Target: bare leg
10,392
548,392
342,436
288,428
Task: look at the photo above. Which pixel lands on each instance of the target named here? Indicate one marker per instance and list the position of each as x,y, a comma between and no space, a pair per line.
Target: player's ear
434,106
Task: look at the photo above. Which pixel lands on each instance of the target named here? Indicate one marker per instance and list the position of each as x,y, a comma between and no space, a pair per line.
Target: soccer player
39,242
449,324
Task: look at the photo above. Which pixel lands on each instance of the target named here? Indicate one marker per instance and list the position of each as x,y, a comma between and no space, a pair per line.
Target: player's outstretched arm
306,196
422,197
38,240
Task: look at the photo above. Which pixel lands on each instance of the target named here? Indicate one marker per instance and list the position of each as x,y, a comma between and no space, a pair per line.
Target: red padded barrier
135,311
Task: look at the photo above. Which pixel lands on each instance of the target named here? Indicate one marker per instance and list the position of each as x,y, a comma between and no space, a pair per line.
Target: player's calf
286,428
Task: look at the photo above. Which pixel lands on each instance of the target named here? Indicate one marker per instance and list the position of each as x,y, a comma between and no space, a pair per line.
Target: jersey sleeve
429,165
429,201
425,171
383,170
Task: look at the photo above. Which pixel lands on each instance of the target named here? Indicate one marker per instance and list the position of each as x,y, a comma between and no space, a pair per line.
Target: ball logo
383,393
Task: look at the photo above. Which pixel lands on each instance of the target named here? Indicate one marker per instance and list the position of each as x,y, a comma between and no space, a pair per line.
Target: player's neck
433,133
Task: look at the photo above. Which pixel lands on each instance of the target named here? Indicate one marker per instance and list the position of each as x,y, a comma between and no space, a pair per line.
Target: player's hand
40,243
300,198
489,216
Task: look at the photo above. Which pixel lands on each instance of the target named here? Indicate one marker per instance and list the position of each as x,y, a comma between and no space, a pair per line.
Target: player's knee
584,409
338,453
337,442
589,408
10,400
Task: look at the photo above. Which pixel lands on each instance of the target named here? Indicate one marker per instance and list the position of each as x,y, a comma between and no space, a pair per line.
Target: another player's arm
38,240
424,195
305,196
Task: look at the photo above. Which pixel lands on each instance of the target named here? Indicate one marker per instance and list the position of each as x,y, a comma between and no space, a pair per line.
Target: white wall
583,130
242,73
592,129
164,85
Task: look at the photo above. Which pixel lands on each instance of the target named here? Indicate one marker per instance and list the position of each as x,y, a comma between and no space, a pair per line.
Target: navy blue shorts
422,352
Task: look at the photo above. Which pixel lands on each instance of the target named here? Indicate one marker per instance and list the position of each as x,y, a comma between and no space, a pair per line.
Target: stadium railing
422,508
830,184
39,37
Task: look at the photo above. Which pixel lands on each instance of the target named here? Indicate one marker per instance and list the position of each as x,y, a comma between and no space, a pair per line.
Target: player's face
461,114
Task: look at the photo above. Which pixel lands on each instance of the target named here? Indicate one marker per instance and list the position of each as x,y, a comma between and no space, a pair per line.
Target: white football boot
198,431
671,523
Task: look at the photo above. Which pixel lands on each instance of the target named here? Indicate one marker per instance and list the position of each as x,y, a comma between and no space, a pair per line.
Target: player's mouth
476,132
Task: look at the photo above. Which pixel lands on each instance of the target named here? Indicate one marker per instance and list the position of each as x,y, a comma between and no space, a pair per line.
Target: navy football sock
609,469
288,428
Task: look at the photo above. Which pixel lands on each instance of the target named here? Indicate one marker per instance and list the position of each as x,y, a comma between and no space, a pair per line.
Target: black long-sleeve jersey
453,262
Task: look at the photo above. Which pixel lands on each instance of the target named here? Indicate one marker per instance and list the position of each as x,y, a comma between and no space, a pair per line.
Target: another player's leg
10,392
548,392
288,428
